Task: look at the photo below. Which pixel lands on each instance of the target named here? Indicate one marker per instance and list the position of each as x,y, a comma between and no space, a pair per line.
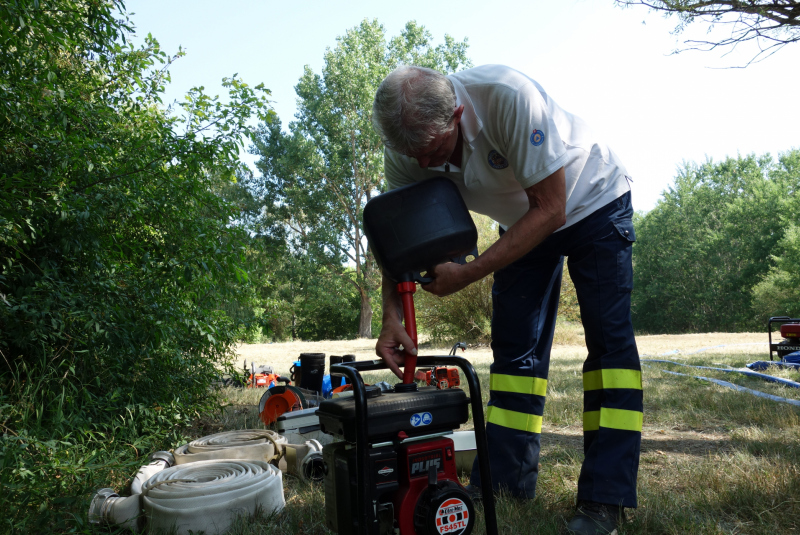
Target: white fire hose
259,444
301,460
170,497
209,495
158,462
201,496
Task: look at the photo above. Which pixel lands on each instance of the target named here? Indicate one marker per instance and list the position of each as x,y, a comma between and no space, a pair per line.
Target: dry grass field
678,440
714,460
281,355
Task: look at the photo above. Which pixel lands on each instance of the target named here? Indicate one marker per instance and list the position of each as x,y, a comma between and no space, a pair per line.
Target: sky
613,67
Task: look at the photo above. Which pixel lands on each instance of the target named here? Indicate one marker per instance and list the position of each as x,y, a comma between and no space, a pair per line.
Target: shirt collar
471,124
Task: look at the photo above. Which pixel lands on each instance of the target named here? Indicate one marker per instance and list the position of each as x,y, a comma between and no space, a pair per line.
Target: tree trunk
365,318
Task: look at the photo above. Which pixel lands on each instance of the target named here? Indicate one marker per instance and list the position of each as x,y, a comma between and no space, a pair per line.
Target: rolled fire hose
301,460
108,507
159,461
255,446
201,496
258,444
209,495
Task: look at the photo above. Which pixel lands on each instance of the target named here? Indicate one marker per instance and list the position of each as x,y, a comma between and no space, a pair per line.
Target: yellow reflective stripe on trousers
517,384
613,419
591,421
612,378
513,419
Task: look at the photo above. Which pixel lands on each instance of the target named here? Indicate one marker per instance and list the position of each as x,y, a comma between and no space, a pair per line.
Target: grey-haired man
556,191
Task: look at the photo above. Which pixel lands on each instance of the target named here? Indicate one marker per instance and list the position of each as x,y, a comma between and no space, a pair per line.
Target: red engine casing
413,462
790,331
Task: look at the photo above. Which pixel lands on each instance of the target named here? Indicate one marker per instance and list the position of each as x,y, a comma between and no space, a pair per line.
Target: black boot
592,518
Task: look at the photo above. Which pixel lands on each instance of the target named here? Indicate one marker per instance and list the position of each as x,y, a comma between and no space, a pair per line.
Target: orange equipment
442,377
278,400
263,377
265,380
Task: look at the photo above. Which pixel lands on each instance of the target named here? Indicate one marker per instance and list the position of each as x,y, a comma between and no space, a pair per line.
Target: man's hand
447,279
393,335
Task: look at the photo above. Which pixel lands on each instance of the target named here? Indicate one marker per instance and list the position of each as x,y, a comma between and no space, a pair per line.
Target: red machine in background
790,331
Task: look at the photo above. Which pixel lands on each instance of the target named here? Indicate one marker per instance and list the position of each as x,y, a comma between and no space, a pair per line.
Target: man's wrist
474,271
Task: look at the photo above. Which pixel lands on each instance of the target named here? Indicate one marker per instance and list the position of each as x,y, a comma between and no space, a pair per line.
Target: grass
714,461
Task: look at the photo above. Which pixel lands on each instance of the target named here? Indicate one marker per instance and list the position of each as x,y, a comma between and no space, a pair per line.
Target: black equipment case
424,412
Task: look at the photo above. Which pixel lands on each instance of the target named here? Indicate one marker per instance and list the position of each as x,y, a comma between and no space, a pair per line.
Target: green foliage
263,258
329,310
709,241
778,293
467,314
568,307
317,177
117,254
311,303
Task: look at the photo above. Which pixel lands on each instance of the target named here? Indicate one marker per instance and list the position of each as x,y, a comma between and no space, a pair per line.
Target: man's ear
457,114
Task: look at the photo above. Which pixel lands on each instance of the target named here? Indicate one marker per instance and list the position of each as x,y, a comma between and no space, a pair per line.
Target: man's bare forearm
531,230
392,305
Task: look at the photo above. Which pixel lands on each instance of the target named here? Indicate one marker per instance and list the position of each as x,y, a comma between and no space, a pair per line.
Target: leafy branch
769,24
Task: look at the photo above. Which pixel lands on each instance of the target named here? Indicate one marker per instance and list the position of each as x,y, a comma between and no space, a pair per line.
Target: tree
708,242
467,314
778,293
317,177
117,255
770,24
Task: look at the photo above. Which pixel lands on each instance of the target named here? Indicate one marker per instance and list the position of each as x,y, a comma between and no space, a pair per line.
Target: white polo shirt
515,135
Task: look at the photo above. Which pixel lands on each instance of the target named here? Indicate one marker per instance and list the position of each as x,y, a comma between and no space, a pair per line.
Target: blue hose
764,376
760,365
735,387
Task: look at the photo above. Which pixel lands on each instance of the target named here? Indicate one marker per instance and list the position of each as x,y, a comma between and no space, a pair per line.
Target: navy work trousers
525,301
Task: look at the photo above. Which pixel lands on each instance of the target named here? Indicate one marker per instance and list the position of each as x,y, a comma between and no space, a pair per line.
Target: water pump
391,469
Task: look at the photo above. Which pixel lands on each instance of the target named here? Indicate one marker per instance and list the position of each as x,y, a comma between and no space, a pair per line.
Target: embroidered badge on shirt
537,138
497,161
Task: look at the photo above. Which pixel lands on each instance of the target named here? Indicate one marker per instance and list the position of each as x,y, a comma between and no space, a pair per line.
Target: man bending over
556,191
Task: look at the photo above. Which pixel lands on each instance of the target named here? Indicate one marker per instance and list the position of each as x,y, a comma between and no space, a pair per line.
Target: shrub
116,253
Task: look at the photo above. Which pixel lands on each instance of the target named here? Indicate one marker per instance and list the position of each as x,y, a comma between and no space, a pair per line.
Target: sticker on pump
421,418
452,518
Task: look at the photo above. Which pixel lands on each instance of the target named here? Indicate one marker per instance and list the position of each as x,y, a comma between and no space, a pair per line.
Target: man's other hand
447,278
